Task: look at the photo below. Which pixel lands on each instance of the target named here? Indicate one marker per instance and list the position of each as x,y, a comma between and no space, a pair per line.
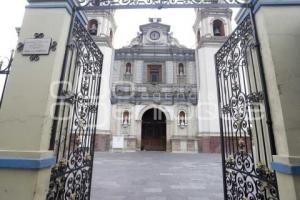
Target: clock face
154,35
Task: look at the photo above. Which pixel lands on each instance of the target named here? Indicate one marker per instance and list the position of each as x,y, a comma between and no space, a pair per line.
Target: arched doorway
154,137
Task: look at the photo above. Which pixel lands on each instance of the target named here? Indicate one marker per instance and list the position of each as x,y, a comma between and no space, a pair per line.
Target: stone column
138,133
170,72
29,100
105,107
279,34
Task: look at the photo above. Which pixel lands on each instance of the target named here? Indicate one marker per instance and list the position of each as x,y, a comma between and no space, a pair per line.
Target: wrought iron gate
5,64
75,117
246,130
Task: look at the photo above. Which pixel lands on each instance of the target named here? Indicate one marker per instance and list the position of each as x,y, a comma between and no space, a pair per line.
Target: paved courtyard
157,176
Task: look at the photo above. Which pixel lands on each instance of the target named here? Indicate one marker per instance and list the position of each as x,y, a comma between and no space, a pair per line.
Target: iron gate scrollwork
159,4
247,143
5,64
74,125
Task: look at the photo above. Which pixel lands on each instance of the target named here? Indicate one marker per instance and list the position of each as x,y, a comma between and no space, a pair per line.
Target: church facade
156,94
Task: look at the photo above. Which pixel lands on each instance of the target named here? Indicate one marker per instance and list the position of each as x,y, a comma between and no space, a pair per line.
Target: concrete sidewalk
157,176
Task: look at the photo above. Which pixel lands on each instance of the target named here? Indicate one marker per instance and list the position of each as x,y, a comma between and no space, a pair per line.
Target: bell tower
102,27
212,27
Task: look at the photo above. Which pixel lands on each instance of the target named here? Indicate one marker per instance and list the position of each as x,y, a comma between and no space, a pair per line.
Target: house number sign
34,47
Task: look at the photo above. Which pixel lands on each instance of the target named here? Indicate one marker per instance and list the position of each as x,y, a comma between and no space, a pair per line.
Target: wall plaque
36,46
118,142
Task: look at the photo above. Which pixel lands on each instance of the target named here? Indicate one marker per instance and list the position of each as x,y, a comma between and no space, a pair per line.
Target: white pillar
280,47
169,72
29,100
208,101
104,110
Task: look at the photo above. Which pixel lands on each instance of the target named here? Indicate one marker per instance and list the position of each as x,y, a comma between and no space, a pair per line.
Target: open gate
246,129
75,118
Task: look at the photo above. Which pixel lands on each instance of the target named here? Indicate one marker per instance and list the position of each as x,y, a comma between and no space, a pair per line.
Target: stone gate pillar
279,35
29,102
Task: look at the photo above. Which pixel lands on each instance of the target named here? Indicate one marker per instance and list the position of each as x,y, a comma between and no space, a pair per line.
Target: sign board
37,46
118,142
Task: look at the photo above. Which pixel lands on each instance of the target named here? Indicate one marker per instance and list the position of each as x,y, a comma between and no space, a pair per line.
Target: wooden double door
154,131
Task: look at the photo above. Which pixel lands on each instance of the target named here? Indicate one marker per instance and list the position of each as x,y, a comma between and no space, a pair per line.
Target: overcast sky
128,21
181,21
11,15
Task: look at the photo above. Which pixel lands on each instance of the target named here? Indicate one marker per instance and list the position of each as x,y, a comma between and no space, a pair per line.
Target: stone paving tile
157,176
153,190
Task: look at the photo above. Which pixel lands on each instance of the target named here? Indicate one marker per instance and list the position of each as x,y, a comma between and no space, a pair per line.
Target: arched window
128,68
125,118
181,69
198,36
96,2
111,34
93,27
182,118
218,28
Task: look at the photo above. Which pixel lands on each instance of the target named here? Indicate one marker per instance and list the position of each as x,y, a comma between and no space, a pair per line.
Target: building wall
104,108
174,131
170,66
169,71
207,101
202,130
178,139
104,40
138,71
208,45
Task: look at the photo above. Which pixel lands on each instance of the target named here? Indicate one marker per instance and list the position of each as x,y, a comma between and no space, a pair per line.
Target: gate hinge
69,97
